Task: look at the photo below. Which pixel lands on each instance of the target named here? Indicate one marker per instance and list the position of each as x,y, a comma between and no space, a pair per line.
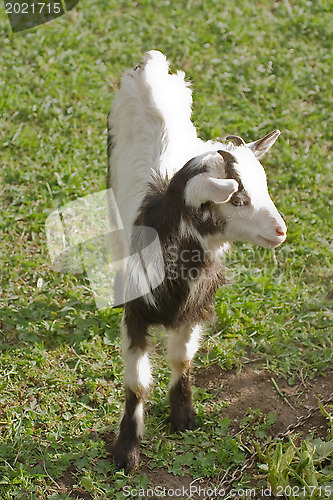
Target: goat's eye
239,200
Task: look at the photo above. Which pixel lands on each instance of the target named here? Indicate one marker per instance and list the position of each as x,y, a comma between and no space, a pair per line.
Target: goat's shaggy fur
197,196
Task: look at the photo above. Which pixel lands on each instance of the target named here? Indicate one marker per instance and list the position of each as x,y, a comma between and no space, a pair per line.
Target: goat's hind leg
137,382
183,344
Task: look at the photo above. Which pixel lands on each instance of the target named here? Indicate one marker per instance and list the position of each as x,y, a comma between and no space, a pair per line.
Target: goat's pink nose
280,231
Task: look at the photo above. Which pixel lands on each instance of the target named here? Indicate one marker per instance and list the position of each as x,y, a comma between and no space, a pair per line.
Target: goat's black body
174,301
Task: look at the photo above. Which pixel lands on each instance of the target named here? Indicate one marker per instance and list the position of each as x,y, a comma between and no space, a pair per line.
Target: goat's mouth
266,243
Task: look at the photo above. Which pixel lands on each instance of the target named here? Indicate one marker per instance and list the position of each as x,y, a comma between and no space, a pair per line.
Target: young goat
220,195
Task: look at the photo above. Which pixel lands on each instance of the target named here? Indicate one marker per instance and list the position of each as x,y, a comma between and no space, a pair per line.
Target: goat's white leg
137,382
183,344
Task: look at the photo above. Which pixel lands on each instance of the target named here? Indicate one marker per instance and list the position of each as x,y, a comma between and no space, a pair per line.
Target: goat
198,196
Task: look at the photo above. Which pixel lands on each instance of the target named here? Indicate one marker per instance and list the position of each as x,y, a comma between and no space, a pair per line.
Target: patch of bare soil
255,389
67,485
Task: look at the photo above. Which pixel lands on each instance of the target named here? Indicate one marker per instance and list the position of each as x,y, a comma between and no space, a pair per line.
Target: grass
255,66
300,468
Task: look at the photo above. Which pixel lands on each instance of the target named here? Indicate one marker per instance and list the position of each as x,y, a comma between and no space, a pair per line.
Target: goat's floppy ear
203,188
261,146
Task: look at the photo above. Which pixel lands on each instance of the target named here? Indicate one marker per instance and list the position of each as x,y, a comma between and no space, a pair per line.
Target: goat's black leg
127,448
182,415
183,344
137,381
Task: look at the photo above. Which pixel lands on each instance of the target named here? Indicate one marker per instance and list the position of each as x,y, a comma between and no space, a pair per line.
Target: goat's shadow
23,331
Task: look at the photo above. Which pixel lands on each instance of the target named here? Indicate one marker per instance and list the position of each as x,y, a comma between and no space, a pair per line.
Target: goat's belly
179,301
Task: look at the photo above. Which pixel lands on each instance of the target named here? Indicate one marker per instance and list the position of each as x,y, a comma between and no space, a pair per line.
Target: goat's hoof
183,419
127,455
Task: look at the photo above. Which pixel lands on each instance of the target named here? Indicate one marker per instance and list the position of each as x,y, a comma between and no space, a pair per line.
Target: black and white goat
198,196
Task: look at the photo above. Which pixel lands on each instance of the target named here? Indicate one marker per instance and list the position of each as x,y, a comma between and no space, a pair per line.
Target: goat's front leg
183,344
137,381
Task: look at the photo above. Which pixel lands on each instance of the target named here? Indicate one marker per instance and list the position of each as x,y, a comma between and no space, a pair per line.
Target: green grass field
255,66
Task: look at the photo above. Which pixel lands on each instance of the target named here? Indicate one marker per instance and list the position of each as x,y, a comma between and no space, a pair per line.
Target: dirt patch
255,389
67,483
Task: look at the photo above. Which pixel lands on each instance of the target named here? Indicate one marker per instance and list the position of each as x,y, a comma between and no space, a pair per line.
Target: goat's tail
168,93
156,90
151,111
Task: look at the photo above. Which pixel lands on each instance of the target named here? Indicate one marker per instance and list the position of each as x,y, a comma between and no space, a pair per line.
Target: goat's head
232,183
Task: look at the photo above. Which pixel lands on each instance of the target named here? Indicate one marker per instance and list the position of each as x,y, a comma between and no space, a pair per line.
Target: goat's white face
241,196
255,219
